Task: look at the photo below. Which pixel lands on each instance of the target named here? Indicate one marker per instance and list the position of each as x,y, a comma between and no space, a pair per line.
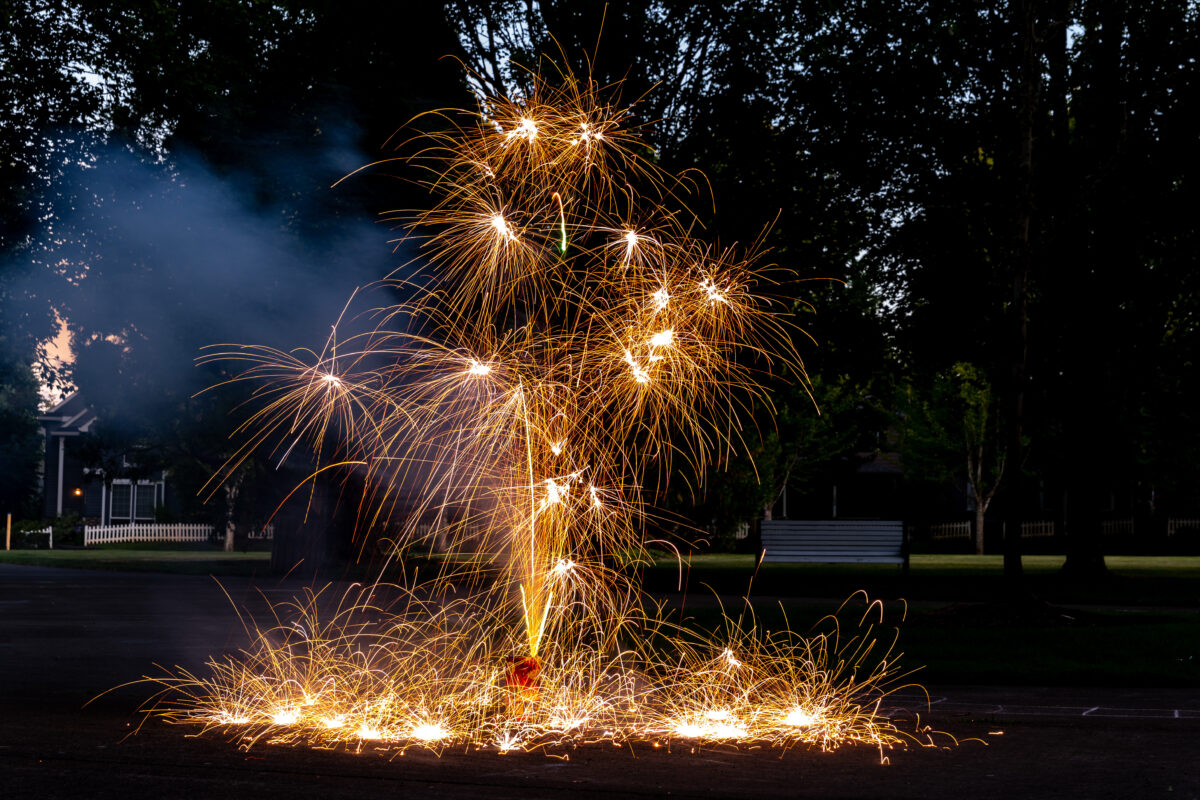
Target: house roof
69,417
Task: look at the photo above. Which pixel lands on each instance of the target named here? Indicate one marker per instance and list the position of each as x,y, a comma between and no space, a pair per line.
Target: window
122,501
144,502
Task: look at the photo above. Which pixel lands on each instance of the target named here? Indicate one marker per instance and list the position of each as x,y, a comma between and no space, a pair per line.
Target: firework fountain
565,345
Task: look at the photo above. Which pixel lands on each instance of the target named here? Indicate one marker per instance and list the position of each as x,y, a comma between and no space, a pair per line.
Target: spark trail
566,343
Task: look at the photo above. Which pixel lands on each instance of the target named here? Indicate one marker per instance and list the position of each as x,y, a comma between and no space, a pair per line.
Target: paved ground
66,636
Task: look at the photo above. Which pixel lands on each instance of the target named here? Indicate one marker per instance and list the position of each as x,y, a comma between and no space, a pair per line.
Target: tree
955,432
20,444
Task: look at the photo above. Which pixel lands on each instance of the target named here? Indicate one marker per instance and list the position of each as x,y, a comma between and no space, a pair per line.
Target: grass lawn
1138,627
172,558
1133,580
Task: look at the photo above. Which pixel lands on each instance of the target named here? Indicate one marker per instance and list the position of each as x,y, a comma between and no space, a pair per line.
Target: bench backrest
833,541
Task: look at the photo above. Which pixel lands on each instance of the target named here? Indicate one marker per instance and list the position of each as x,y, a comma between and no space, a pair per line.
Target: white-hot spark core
502,227
639,372
563,566
631,243
508,741
799,718
661,298
663,338
286,716
478,368
554,491
595,497
332,380
586,135
429,732
729,659
715,725
709,288
365,731
557,448
333,723
526,129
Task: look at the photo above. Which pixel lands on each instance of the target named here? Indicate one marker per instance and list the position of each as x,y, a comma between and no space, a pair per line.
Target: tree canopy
1006,185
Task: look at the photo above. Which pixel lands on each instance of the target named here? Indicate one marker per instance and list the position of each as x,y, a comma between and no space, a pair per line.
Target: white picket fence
950,530
265,532
1043,527
1117,527
111,534
1174,524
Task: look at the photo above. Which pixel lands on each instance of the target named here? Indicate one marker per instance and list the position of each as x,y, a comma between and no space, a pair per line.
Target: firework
564,345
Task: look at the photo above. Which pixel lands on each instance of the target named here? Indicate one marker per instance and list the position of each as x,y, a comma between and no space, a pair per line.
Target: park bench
835,542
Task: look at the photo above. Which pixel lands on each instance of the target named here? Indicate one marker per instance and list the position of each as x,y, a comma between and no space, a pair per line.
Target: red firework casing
522,679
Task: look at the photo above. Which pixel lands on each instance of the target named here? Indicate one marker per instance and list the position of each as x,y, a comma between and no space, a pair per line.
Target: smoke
151,261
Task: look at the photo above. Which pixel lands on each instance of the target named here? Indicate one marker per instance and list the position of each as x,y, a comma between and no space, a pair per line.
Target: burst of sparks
544,651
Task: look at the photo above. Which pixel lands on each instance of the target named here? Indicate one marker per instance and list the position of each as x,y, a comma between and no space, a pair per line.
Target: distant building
70,487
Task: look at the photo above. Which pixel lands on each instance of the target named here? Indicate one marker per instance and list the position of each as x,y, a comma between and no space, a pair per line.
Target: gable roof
70,417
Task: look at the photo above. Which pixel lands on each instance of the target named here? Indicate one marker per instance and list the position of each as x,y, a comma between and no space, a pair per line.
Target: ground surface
67,635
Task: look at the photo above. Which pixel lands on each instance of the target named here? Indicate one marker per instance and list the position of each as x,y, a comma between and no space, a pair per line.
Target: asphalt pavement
68,637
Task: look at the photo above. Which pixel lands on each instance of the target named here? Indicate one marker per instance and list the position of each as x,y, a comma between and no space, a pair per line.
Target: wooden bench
835,542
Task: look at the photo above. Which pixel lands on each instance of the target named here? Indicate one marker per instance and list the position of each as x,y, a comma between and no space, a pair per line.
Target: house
69,486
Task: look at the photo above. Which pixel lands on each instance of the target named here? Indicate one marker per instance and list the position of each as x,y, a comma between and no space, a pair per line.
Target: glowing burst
429,732
799,718
640,374
525,129
712,292
550,248
289,716
501,226
713,724
366,731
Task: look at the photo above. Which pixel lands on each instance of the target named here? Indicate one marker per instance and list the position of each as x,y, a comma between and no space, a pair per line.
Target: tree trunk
979,511
1025,19
231,493
1090,347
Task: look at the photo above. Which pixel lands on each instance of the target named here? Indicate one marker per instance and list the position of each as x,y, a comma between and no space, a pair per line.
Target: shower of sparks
510,415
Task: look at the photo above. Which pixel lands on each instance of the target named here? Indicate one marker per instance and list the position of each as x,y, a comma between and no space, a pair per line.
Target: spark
799,718
502,227
525,129
631,244
639,372
429,732
710,289
663,338
555,491
531,630
287,716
